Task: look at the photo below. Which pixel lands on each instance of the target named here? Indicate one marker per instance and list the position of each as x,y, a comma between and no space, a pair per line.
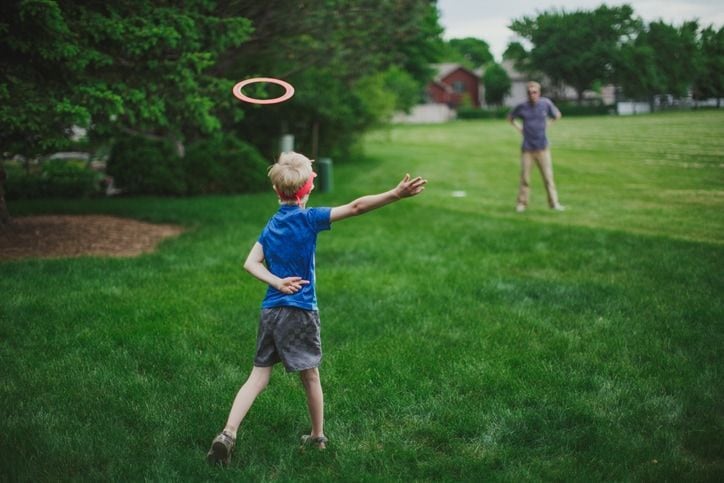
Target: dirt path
63,236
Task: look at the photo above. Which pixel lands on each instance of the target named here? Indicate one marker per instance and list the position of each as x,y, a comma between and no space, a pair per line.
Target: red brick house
452,83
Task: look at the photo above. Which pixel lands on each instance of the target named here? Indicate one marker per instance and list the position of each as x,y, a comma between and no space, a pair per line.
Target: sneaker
559,207
221,449
319,442
520,208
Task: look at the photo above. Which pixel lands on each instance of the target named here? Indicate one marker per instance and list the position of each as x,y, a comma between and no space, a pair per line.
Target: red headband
301,192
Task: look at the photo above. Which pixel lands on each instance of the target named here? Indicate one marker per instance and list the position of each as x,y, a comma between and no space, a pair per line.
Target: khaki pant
543,160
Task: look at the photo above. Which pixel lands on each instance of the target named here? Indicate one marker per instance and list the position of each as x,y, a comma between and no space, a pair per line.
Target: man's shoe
221,449
559,207
520,208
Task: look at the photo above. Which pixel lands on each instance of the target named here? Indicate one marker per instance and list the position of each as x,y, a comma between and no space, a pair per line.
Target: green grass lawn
463,341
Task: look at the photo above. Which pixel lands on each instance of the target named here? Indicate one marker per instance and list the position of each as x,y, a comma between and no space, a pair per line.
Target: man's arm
517,126
254,264
405,189
555,113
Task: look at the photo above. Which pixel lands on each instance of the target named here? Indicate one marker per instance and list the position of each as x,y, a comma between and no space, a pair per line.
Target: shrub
224,164
141,166
69,179
597,109
52,179
488,113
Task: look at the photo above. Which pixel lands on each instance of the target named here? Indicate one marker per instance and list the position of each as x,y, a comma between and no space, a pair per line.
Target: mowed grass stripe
462,340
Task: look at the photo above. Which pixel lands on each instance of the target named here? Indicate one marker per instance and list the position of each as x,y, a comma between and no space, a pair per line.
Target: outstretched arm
255,265
405,189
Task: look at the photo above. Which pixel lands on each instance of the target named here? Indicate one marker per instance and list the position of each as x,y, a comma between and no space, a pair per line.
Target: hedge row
223,164
52,179
488,113
572,109
567,109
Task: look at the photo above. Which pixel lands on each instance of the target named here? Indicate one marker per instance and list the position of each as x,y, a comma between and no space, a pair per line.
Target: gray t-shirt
534,117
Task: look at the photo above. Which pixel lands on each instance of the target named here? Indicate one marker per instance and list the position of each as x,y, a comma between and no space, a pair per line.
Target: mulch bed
64,236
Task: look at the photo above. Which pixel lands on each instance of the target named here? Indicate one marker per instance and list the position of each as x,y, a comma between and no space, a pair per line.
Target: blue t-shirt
290,240
534,118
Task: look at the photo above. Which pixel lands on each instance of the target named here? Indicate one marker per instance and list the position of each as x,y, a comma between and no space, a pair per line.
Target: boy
283,258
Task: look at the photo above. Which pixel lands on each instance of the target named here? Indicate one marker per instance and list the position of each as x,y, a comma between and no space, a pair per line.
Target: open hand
291,285
410,187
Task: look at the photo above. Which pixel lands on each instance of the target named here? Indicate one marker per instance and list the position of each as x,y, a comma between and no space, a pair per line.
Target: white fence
425,113
631,108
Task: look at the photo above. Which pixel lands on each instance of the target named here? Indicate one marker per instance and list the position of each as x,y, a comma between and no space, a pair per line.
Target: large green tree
709,81
577,48
468,51
137,66
663,59
676,55
635,70
134,66
349,61
162,72
497,84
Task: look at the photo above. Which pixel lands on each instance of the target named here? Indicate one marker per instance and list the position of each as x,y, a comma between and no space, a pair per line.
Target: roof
509,67
445,69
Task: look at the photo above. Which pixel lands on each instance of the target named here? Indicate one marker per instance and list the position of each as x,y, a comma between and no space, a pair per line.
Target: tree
134,66
576,48
333,51
470,52
676,55
497,84
635,70
128,65
709,81
165,73
4,214
515,52
662,59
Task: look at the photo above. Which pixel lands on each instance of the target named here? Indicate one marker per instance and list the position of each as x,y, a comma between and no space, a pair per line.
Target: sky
489,19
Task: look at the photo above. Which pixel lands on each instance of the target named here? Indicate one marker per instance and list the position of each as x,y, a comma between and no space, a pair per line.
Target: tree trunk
4,214
315,139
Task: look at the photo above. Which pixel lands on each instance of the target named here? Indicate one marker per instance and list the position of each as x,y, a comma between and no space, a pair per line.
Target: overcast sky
489,19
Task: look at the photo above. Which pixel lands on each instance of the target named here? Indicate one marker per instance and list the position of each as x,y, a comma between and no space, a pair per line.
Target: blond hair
290,173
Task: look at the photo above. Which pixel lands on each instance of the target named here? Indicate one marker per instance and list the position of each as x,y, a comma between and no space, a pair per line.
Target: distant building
452,84
562,93
455,85
518,84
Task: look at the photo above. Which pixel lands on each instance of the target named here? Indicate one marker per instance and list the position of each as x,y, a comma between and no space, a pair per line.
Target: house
562,93
518,84
453,84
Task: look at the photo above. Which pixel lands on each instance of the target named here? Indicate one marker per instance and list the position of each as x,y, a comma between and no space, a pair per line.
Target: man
535,113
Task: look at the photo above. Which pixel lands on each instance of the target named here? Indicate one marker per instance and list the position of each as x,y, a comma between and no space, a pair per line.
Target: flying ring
236,90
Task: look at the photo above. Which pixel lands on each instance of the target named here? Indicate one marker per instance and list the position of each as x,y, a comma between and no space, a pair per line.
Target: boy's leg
315,399
255,384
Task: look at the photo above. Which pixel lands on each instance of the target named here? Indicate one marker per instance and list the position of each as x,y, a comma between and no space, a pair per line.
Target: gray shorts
291,336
